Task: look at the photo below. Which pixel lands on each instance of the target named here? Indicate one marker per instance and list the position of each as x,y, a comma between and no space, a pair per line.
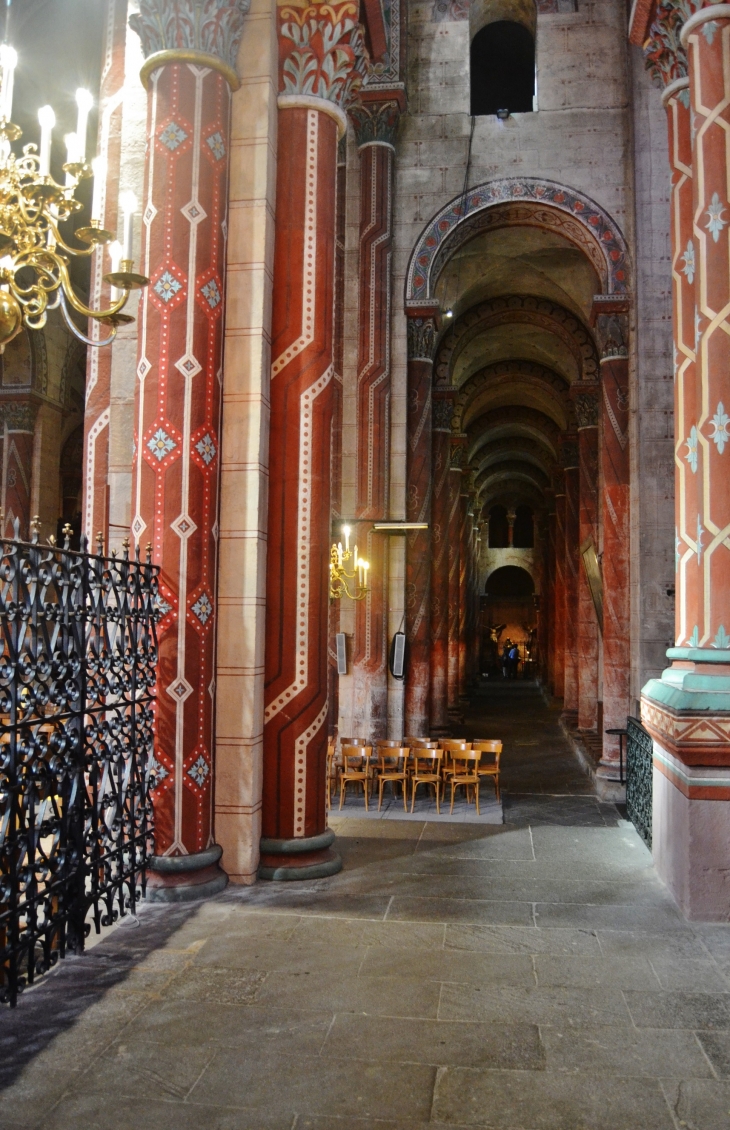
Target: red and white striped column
458,452
587,406
443,407
320,48
177,415
376,124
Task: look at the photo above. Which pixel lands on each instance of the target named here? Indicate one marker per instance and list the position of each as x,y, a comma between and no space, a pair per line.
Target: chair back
454,743
465,760
355,753
390,757
352,741
421,743
493,747
426,759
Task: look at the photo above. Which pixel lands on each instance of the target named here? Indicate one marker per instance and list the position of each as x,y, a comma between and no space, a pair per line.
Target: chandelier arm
83,253
78,305
77,332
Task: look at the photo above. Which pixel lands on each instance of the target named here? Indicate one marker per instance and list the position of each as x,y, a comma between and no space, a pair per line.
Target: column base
291,860
183,878
687,713
609,787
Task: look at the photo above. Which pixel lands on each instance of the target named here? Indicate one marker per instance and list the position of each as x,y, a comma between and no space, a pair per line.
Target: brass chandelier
339,575
34,257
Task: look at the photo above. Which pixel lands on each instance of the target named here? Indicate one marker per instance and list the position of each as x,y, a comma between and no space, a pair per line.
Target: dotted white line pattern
304,519
95,431
300,770
310,250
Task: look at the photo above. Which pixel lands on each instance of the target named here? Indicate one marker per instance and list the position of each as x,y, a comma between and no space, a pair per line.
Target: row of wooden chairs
413,762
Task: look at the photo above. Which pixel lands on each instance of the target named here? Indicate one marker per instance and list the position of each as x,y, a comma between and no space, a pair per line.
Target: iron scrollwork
77,679
639,779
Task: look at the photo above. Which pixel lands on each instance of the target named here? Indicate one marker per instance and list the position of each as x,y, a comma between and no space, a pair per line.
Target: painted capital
322,52
376,123
457,455
664,55
183,30
587,406
612,333
442,409
421,338
19,416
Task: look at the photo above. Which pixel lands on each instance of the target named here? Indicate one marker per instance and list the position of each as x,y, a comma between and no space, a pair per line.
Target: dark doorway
498,528
524,534
502,69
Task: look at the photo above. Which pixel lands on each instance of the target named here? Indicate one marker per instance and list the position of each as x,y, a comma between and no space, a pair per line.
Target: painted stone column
687,711
189,71
376,124
443,408
320,49
421,329
465,552
558,616
611,322
688,452
97,411
571,530
547,603
458,451
17,431
587,406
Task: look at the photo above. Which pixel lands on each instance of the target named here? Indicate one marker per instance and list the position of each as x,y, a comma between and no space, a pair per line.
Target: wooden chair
332,771
426,771
451,746
421,743
393,767
490,767
465,773
359,773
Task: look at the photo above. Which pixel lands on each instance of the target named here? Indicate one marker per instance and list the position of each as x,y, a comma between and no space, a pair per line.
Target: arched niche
529,202
510,581
483,12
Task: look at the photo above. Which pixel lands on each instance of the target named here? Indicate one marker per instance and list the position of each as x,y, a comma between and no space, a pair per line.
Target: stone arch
525,423
526,564
517,309
483,12
523,201
551,387
524,449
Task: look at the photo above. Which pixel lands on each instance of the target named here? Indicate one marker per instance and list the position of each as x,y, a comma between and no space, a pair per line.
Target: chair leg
413,794
476,793
343,782
365,790
381,782
452,796
496,785
438,802
404,785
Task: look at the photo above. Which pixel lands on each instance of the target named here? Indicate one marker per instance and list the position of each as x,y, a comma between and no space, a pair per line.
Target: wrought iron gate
639,788
78,653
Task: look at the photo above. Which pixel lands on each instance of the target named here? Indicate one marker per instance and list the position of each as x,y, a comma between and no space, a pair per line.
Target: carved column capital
457,454
375,123
569,452
421,331
586,401
664,55
206,32
18,415
611,324
322,53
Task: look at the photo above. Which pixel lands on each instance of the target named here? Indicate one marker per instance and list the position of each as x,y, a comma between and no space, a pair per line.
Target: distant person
513,659
505,658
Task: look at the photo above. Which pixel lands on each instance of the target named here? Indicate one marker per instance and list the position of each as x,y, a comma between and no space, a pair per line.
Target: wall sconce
339,575
503,115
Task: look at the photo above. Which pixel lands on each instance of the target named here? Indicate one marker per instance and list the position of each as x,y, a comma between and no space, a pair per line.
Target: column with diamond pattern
175,493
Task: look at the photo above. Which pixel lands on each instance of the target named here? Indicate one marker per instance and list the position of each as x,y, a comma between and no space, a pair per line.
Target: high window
523,535
502,69
498,528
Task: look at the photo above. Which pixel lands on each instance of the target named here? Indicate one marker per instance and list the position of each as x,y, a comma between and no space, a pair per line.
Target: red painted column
333,679
421,330
17,421
465,551
587,406
547,599
688,451
375,129
569,453
97,412
177,411
559,589
295,840
454,540
612,331
440,461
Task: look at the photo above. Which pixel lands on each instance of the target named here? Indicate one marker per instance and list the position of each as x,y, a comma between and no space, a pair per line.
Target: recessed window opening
498,528
524,535
502,69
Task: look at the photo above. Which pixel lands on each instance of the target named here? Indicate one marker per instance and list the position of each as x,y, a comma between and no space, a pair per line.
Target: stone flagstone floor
529,976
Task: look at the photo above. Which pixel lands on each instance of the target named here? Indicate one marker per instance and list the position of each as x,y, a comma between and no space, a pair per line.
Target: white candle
98,166
115,254
346,532
84,101
72,149
8,62
47,120
128,203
